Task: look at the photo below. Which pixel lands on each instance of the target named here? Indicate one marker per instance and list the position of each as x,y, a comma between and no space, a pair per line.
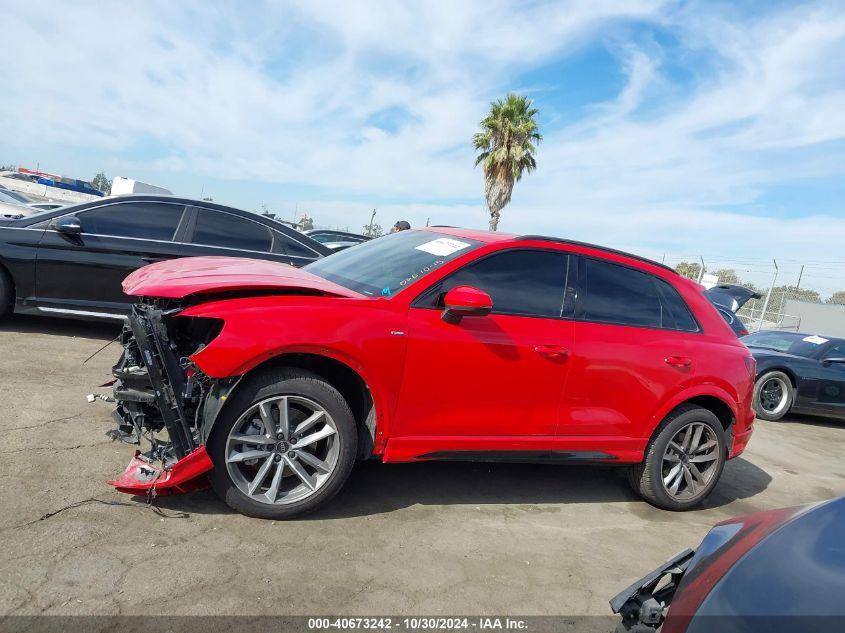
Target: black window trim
184,229
274,231
418,301
581,294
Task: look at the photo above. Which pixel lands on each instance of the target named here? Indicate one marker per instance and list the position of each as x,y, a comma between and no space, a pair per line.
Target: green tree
506,145
689,269
101,182
306,223
837,298
373,230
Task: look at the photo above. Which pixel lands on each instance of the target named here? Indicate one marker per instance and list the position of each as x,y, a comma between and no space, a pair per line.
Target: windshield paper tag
818,340
442,246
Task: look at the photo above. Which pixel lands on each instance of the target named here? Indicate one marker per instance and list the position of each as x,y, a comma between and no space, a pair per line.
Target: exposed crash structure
164,398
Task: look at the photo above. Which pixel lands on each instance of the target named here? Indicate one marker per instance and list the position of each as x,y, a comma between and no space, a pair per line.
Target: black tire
276,382
783,407
646,478
6,293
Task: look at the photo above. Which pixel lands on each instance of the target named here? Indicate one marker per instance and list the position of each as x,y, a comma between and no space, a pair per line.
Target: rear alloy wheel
284,448
683,461
772,395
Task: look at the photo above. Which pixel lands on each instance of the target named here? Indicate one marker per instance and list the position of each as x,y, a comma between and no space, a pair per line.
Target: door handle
678,361
552,351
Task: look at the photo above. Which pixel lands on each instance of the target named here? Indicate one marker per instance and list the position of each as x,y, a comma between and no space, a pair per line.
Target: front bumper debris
160,397
643,605
143,478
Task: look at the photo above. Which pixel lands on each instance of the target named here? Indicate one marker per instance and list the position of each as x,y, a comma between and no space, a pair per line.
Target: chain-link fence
776,281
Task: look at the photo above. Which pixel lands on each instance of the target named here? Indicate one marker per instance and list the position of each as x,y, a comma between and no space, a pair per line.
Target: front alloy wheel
282,450
284,444
772,395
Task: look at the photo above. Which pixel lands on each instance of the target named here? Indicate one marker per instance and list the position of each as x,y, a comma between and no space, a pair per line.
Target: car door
631,349
831,381
217,232
85,271
499,375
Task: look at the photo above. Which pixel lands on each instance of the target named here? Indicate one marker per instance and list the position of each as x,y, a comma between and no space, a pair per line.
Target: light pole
370,227
768,296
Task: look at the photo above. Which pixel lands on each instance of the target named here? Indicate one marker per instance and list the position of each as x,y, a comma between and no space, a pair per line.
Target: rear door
631,349
496,375
85,272
216,232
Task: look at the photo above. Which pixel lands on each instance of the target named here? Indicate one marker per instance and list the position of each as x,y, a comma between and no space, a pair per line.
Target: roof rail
606,249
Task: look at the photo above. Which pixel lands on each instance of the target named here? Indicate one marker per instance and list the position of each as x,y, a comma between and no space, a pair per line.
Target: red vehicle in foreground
426,345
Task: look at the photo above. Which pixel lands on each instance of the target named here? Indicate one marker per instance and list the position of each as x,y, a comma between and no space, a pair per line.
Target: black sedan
71,261
778,570
803,373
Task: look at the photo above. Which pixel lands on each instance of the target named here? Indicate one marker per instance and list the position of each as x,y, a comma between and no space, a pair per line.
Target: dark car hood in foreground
178,278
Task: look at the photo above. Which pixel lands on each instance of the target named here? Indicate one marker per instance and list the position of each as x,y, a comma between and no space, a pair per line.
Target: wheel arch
793,377
711,398
349,382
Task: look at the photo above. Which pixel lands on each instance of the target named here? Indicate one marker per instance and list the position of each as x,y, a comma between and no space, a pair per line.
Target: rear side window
623,296
294,247
142,220
215,228
520,282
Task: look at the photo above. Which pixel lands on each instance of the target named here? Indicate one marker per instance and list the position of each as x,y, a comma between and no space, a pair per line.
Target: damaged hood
178,278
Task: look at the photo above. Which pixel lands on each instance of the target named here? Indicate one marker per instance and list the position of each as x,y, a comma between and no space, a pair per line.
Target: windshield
790,343
389,264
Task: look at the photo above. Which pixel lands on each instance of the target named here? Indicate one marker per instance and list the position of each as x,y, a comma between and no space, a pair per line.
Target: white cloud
290,93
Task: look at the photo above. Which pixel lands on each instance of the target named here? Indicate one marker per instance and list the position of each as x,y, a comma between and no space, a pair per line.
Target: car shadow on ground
26,324
809,420
377,488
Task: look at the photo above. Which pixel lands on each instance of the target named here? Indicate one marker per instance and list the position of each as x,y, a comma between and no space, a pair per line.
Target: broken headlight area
161,397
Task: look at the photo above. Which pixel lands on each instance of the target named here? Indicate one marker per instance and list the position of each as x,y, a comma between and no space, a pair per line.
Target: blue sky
676,128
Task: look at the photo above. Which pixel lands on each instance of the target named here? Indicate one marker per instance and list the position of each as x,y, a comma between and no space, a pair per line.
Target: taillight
751,366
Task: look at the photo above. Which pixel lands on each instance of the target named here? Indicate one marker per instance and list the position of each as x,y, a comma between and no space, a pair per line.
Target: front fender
361,334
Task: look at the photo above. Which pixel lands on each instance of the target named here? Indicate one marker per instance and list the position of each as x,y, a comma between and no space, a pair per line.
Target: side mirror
69,225
464,301
827,362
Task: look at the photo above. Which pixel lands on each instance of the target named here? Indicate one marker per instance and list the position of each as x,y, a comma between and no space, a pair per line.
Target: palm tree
507,145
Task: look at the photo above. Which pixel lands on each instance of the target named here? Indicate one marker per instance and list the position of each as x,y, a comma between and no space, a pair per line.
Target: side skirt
523,448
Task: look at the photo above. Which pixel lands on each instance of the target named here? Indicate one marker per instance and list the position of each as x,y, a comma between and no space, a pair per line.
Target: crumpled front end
164,402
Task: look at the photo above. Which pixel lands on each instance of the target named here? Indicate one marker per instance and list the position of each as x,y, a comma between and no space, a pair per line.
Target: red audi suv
434,344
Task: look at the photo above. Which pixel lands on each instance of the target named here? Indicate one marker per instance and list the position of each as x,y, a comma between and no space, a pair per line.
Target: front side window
623,296
836,351
141,220
520,282
389,264
216,228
